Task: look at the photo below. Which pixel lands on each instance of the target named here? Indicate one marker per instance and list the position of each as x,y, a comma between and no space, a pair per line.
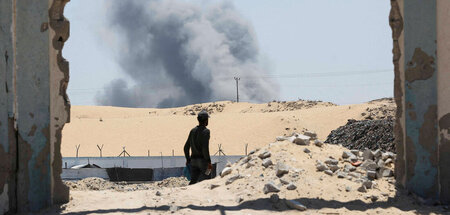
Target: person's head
202,118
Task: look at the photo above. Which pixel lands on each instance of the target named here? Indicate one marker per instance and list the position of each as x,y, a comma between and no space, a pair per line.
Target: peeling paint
421,66
60,105
396,23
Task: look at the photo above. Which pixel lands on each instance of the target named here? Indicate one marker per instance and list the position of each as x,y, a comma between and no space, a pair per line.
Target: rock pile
371,134
360,166
280,106
210,108
94,183
385,110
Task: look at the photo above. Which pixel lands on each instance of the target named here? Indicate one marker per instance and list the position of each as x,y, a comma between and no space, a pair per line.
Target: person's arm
205,148
187,146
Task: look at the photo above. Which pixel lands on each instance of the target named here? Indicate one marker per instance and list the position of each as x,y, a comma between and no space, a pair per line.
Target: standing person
198,143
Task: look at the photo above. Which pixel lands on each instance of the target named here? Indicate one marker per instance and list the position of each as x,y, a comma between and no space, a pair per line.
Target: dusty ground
320,193
232,124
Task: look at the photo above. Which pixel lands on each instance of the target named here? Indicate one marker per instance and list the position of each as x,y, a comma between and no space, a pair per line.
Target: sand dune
232,124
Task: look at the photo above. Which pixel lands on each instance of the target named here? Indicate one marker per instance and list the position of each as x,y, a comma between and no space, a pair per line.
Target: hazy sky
338,51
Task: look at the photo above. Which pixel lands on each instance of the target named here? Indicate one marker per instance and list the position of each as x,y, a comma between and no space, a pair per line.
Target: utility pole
237,88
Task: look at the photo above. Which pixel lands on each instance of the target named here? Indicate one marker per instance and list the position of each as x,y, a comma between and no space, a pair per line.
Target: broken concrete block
367,154
372,175
281,169
369,165
333,168
291,186
328,172
271,188
264,154
283,181
347,154
362,189
311,134
267,162
318,143
331,162
225,171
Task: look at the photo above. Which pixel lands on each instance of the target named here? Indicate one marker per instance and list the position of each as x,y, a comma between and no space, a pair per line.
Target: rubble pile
270,171
93,183
280,106
210,108
385,110
363,167
370,134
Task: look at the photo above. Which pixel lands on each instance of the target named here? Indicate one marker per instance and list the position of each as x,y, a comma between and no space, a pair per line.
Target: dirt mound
385,109
210,108
94,183
371,134
281,106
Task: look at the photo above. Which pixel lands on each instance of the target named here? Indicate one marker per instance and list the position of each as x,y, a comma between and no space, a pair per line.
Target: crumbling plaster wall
421,89
443,84
33,104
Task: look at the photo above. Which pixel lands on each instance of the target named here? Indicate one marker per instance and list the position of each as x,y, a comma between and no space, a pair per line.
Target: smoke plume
179,53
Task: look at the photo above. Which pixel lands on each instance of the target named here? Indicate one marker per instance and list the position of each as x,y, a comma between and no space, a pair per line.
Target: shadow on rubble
403,203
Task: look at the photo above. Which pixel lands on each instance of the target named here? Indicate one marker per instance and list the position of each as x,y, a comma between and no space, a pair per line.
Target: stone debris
158,193
291,186
264,154
372,175
233,178
321,166
374,198
328,172
311,134
283,181
369,165
226,171
331,162
318,143
306,150
347,154
239,199
281,169
281,138
271,188
367,154
362,189
267,162
213,186
348,188
341,174
333,168
295,205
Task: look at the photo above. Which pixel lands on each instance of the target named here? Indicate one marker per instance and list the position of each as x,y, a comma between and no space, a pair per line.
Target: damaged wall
33,104
421,88
443,85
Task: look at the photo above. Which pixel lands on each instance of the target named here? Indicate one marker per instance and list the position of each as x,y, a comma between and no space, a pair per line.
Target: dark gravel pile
371,134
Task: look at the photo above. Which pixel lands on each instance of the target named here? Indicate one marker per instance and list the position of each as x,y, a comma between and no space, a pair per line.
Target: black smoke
179,52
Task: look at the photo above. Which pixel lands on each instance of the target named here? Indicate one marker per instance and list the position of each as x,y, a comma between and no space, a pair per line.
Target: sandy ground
232,124
320,193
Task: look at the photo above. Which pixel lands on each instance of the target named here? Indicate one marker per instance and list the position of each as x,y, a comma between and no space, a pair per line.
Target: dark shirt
198,142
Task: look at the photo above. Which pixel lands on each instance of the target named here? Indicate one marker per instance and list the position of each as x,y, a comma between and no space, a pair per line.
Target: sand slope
232,124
